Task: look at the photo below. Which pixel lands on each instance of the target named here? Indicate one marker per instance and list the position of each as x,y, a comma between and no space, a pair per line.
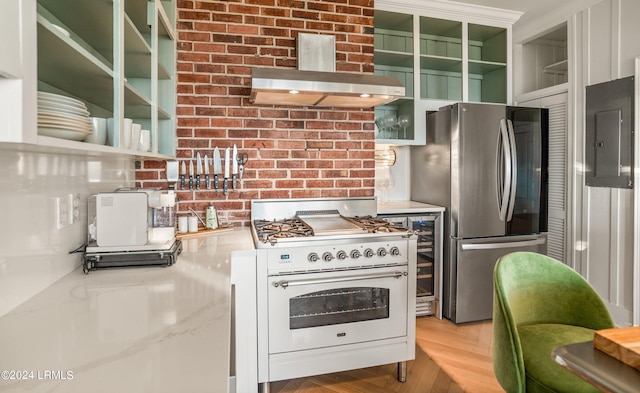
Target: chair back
531,288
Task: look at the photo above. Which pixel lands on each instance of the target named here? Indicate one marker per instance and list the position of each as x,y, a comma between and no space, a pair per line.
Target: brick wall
294,152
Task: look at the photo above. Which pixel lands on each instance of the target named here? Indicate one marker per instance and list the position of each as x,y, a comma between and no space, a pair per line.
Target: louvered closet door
557,105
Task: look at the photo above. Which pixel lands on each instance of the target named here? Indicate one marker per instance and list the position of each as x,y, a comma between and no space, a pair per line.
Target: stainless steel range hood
315,82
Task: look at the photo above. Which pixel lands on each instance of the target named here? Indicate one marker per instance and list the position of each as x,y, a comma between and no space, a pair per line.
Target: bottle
211,217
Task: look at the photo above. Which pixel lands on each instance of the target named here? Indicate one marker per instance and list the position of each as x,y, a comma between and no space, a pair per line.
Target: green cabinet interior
487,64
438,58
78,56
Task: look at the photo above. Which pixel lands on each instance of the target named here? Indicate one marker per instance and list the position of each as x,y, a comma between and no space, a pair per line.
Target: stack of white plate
63,117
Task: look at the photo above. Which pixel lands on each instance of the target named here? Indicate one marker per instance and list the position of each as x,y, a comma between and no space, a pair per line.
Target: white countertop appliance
335,288
131,227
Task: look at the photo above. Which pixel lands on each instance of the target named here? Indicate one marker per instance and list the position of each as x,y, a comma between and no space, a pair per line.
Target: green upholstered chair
539,304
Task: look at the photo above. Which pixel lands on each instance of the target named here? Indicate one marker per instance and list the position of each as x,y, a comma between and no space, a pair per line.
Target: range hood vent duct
315,82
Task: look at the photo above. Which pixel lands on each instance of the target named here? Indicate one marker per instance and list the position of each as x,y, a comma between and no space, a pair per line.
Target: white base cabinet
117,57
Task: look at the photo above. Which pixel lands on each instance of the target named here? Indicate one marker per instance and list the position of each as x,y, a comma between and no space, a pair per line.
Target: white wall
609,46
34,252
398,174
603,44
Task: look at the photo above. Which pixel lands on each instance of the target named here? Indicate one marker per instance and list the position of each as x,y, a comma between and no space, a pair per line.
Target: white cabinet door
557,224
10,60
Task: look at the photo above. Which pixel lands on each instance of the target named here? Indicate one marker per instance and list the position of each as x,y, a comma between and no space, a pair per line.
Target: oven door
317,310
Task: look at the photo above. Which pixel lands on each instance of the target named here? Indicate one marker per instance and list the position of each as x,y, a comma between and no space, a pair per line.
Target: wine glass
380,125
405,122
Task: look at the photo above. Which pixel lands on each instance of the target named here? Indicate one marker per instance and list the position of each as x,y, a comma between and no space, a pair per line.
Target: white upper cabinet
442,52
117,58
543,61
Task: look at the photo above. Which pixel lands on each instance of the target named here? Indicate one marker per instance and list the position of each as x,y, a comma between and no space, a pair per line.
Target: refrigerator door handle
493,246
504,164
514,169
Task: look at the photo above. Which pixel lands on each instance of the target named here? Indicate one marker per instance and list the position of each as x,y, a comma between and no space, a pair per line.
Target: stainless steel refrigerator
487,164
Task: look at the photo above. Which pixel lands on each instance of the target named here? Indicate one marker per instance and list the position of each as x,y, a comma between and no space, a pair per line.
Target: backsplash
294,152
35,241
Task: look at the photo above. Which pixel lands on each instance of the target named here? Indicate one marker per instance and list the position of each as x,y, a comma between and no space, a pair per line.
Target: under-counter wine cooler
428,227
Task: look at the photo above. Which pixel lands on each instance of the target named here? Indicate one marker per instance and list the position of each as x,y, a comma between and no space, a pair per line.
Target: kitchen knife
206,172
198,170
184,172
217,167
191,174
234,182
227,154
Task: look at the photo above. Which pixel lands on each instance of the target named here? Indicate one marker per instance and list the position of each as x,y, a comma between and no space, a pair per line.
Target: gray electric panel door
609,134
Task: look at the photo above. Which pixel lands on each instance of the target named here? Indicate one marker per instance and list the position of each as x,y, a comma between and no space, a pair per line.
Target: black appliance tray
105,260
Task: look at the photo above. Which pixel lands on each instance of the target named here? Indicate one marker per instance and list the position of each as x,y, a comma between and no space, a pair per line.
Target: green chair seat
539,304
542,373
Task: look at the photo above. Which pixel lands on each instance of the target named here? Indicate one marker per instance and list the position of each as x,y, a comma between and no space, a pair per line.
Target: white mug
125,133
111,127
99,131
134,143
145,140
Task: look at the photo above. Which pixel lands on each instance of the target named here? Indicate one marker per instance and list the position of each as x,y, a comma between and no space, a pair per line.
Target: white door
558,220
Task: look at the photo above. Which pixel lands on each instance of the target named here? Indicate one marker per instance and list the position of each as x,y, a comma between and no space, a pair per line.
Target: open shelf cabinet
441,55
116,57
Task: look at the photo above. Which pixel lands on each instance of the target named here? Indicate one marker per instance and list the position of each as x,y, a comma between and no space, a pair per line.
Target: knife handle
182,182
225,187
197,181
207,181
234,181
190,182
215,181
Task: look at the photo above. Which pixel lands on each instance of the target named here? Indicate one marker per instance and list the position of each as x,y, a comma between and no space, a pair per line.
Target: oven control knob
368,253
327,257
341,255
355,254
381,252
313,257
395,251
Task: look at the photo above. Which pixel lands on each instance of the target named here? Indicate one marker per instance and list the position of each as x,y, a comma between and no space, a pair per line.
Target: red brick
322,26
319,183
289,183
335,193
259,21
304,174
288,164
306,193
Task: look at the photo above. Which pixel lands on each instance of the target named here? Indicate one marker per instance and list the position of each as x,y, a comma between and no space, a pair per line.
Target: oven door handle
284,284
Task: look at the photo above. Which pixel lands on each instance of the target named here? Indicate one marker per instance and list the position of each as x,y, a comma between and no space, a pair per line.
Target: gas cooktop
321,225
305,221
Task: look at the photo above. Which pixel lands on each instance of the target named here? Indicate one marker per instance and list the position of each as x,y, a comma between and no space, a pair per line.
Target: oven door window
336,306
319,310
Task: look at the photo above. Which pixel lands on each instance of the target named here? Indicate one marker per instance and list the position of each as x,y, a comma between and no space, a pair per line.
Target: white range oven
335,288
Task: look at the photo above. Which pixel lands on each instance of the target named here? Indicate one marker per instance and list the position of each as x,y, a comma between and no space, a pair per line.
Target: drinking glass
405,122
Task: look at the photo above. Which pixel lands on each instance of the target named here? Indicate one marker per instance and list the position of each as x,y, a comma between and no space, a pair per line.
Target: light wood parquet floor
449,359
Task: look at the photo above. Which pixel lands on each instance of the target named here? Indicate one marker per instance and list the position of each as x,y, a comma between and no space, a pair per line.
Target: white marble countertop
406,207
151,330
